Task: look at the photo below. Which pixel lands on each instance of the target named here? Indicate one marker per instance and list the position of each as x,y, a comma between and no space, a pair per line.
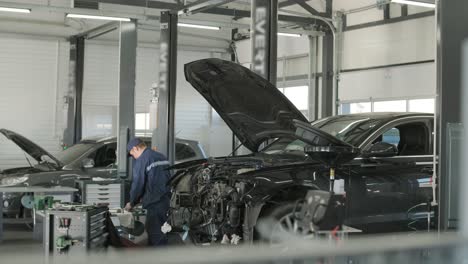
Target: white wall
403,42
33,73
34,79
404,81
408,41
100,91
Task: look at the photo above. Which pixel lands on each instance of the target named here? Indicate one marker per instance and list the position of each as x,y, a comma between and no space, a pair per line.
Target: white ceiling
47,19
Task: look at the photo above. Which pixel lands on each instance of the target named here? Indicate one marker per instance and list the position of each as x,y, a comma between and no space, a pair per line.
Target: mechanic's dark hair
141,145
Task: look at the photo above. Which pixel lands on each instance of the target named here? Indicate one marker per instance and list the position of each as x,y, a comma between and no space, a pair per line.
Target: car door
104,161
394,189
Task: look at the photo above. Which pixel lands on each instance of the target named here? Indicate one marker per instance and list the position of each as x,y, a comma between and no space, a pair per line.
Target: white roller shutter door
28,101
100,91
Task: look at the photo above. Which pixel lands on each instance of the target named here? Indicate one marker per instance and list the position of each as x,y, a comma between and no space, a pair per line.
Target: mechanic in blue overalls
149,187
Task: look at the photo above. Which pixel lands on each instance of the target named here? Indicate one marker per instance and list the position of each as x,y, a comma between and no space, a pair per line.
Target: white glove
225,240
235,239
166,228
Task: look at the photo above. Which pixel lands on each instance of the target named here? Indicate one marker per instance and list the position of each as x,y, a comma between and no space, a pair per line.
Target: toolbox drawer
113,202
97,188
103,195
102,192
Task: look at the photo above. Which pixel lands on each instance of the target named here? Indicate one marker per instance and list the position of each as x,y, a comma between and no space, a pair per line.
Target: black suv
387,186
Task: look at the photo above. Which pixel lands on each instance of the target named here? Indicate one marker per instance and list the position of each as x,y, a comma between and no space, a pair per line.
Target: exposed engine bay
207,201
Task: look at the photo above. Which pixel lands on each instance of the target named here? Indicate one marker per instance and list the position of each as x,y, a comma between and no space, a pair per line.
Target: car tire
281,223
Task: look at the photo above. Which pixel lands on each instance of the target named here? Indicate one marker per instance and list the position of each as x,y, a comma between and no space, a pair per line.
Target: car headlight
13,180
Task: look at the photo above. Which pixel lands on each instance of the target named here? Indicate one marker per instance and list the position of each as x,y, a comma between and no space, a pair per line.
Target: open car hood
28,146
253,108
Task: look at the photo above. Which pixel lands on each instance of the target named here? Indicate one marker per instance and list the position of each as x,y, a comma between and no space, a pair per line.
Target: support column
451,20
164,134
326,99
264,29
127,79
313,78
73,132
234,59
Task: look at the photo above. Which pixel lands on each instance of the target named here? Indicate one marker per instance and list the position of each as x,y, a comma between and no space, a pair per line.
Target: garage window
299,96
390,106
422,105
142,123
354,108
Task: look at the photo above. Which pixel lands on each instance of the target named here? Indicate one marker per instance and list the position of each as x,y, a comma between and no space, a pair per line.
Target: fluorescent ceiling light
197,26
16,10
416,3
99,17
289,34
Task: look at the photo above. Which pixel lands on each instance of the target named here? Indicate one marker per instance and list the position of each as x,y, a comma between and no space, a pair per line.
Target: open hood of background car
253,108
28,146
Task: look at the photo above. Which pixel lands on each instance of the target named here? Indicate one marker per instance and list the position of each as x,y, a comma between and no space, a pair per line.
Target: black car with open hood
224,198
92,157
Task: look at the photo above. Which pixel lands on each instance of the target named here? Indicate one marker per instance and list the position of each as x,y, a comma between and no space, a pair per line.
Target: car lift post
164,134
127,79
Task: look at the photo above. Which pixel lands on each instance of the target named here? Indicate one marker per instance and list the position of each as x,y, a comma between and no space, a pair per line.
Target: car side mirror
381,149
87,163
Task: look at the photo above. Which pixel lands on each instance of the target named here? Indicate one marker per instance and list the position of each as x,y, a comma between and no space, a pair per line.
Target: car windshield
286,145
350,129
72,153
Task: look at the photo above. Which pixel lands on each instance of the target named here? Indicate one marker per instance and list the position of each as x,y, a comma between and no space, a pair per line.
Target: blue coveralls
149,185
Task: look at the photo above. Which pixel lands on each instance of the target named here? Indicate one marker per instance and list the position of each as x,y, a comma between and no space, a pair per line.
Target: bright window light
289,34
15,10
198,26
354,108
390,106
364,107
421,105
142,121
413,2
99,17
298,95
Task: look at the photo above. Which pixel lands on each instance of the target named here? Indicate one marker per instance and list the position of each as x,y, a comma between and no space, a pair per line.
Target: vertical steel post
127,79
326,99
450,17
164,135
73,132
234,59
313,78
264,29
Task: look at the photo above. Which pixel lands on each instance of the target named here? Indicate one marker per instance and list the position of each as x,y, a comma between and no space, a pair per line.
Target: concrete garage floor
19,238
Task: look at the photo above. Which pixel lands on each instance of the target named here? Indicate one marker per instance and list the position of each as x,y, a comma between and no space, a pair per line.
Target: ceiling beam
201,5
145,3
288,3
391,20
214,11
98,31
308,8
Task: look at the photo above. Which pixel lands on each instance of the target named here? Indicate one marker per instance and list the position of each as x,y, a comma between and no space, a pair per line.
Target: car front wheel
283,224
